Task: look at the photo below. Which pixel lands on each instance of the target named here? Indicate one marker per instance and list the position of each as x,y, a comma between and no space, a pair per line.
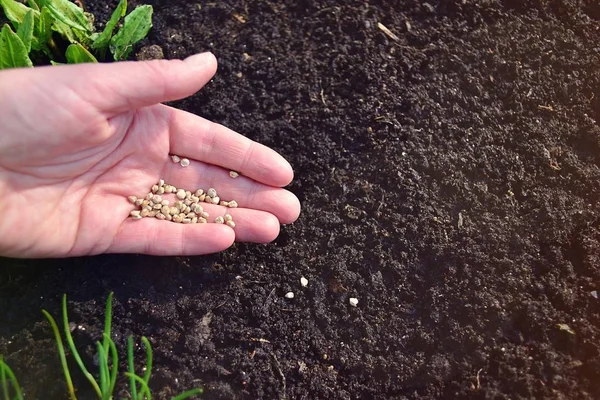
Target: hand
76,140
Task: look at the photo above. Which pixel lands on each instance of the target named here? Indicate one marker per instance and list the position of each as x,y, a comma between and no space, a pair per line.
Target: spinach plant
61,31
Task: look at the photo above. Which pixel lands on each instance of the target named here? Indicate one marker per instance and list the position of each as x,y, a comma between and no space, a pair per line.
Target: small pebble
175,158
289,295
219,220
233,174
304,282
184,162
353,301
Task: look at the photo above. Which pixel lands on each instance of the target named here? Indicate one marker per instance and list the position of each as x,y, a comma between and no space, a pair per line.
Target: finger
163,238
246,192
197,138
117,87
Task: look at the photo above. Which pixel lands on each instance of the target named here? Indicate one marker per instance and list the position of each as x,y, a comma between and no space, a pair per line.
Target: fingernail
200,60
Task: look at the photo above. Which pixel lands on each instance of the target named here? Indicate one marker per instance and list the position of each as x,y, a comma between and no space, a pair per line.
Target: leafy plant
107,363
43,28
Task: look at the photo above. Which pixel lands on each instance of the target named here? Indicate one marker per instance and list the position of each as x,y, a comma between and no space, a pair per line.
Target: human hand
76,140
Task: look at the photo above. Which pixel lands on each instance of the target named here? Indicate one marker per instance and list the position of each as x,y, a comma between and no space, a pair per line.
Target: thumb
121,86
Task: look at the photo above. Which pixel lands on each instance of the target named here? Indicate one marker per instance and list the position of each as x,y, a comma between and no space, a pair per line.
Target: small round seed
168,189
304,282
187,202
132,199
353,301
169,218
224,203
161,182
191,215
219,220
165,202
135,214
195,199
187,221
173,210
197,208
202,197
289,295
144,213
147,207
161,216
180,194
233,174
204,214
195,220
211,192
184,162
145,203
216,200
154,188
202,220
175,158
149,196
199,192
166,210
227,217
230,224
188,194
156,199
152,213
177,218
233,204
161,190
157,206
187,209
139,202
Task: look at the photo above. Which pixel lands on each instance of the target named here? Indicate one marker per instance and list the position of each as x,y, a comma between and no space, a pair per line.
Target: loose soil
449,180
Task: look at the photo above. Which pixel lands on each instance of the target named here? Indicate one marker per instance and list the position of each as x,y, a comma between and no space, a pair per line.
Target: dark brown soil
449,180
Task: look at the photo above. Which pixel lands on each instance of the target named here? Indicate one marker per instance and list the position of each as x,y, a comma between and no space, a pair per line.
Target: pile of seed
187,209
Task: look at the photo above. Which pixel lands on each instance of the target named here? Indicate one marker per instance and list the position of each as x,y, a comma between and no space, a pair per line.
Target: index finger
196,138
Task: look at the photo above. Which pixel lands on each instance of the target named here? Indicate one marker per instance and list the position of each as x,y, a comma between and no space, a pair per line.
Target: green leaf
15,11
43,32
25,30
135,27
33,4
69,14
13,53
77,54
102,40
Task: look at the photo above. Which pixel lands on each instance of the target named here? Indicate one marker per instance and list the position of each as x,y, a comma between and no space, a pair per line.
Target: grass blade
131,368
61,353
115,365
5,370
144,390
189,393
74,349
148,359
107,321
3,382
103,366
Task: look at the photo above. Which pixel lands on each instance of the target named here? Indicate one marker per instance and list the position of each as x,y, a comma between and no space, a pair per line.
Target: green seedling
38,30
7,378
107,361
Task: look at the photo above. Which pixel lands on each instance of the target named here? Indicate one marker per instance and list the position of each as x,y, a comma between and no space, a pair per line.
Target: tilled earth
449,174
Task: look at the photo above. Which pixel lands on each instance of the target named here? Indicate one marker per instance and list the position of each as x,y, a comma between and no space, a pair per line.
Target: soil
449,179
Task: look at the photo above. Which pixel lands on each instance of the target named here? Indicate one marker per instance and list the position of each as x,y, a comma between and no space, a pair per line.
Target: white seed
184,162
169,218
199,192
166,210
202,197
197,208
132,199
187,221
177,218
154,188
152,213
161,216
161,190
194,199
219,220
139,202
224,203
168,189
233,204
187,202
156,199
204,214
230,224
202,220
173,210
289,295
144,213
165,202
211,192
135,214
157,206
304,282
216,200
147,207
233,174
353,301
175,158
227,217
191,214
161,182
149,196
195,220
180,194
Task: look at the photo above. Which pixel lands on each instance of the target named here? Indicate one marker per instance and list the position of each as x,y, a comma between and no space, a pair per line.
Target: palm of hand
70,159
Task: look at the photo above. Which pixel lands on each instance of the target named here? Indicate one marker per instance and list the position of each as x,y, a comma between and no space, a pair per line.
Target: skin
76,140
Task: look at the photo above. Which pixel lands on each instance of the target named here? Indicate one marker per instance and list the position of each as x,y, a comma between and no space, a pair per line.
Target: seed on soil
211,192
184,162
180,194
233,204
230,224
289,295
135,214
353,301
233,174
227,217
219,220
132,199
175,158
304,282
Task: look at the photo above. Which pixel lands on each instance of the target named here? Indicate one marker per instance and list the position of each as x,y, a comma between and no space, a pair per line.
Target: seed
304,282
175,158
197,208
161,182
204,214
195,220
215,200
139,202
191,215
353,301
135,214
230,224
187,221
199,192
147,207
289,295
194,199
144,213
154,188
184,162
233,174
132,199
219,220
169,218
188,194
211,192
180,194
173,210
233,204
160,216
161,190
156,199
166,210
202,220
149,196
168,189
227,217
165,202
157,206
188,209
178,204
152,213
187,202
202,197
224,203
145,203
177,218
